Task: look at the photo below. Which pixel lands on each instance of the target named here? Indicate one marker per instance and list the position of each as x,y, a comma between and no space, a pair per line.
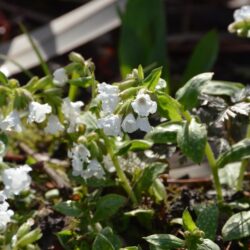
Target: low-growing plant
108,187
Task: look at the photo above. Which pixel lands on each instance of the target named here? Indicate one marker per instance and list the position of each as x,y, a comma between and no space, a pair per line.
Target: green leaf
89,120
142,39
83,82
102,243
164,133
152,79
158,190
203,56
129,248
165,241
3,78
207,221
237,226
237,152
188,94
68,208
65,239
188,222
192,140
148,176
133,145
221,88
113,238
107,206
168,107
207,244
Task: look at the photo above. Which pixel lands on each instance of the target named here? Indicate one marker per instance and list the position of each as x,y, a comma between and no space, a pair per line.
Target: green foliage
68,208
188,222
164,133
107,206
133,145
237,226
149,174
188,94
237,152
203,56
143,35
207,221
165,241
192,140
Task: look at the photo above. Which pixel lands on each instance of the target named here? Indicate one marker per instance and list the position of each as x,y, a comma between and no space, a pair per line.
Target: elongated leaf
237,152
83,82
101,243
113,238
165,241
107,206
3,78
142,39
68,208
168,107
207,244
222,88
133,145
148,176
207,221
237,226
163,134
188,94
192,140
188,222
203,56
153,78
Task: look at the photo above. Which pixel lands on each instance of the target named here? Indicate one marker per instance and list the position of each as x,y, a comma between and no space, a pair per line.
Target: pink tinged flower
129,124
53,125
110,124
16,180
71,111
38,112
60,77
143,124
143,105
109,96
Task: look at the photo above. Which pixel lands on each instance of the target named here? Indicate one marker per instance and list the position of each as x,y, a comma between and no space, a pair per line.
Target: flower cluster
242,14
112,123
82,165
5,213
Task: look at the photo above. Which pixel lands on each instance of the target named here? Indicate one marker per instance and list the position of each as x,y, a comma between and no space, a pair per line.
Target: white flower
79,155
16,180
2,153
242,14
5,214
60,77
94,169
143,105
110,124
109,96
37,112
71,111
161,84
11,122
53,125
143,124
108,164
129,124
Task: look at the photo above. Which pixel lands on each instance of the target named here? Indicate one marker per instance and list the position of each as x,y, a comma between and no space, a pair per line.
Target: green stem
212,162
72,88
123,179
243,166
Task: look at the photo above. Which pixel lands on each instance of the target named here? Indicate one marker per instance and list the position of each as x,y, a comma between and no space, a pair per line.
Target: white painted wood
63,34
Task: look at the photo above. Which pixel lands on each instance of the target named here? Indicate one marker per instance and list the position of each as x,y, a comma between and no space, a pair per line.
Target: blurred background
171,33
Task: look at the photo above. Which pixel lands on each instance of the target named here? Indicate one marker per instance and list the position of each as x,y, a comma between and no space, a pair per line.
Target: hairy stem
123,179
212,163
